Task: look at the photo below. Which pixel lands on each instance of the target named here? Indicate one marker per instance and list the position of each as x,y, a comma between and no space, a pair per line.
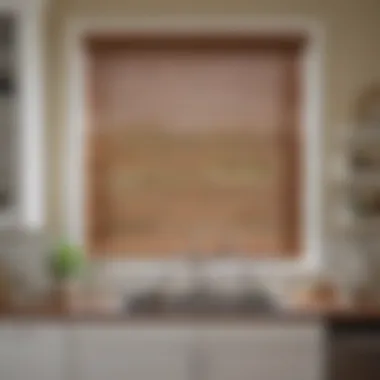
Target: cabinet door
261,353
356,358
29,352
139,353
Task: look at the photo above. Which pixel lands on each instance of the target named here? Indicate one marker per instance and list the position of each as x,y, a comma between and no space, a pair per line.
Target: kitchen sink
200,303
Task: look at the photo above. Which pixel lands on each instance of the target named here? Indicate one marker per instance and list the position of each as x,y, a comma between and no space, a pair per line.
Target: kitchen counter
288,316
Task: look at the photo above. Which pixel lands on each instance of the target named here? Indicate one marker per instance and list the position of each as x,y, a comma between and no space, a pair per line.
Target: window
193,143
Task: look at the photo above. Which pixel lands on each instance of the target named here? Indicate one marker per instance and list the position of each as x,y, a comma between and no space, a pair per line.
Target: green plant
66,261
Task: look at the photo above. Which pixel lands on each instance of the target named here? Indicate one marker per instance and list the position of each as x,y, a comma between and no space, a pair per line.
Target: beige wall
352,58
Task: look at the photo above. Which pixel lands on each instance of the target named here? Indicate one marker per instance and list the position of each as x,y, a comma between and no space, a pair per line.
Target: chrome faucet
196,264
197,261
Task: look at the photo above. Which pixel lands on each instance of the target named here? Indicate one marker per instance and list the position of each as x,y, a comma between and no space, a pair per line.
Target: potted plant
66,264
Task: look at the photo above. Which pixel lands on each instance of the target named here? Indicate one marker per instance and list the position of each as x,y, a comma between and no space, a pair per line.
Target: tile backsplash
24,255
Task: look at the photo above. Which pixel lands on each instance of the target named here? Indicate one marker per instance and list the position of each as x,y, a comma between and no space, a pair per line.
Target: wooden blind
193,144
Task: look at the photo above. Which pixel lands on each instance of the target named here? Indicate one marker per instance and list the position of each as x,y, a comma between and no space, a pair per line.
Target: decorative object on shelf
365,299
318,294
7,50
6,84
4,197
6,31
368,107
5,288
66,264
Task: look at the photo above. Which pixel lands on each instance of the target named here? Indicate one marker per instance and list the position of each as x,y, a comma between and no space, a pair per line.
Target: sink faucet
197,259
196,262
196,265
225,250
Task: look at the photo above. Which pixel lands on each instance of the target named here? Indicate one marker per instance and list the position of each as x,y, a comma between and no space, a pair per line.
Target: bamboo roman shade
193,143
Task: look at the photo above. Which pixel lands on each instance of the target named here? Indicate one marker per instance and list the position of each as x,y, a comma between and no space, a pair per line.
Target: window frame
311,257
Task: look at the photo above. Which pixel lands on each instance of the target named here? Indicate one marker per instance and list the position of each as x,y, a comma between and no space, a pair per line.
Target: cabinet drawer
133,354
31,352
263,354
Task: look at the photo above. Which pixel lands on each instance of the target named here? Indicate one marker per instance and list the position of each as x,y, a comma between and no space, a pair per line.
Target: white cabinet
142,351
200,352
31,352
268,352
131,352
